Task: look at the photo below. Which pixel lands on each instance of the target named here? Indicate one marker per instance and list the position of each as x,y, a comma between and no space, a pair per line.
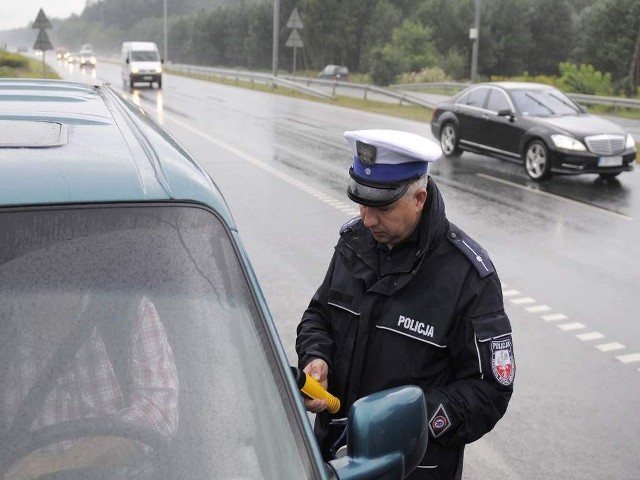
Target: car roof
65,142
518,85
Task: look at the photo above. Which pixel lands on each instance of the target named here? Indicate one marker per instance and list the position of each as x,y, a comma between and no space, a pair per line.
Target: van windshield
142,56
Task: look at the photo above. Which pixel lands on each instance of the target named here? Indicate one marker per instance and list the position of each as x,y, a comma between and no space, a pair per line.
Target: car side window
475,97
497,101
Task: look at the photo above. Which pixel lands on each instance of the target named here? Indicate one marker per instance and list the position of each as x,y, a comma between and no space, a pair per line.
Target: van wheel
159,84
131,84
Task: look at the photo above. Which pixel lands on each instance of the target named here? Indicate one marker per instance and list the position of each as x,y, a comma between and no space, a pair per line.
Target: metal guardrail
397,91
253,77
301,84
578,97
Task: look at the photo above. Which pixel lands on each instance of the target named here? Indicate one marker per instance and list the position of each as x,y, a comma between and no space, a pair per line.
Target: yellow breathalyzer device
312,388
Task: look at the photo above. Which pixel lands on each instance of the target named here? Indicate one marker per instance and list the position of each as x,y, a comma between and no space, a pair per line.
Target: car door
501,132
470,113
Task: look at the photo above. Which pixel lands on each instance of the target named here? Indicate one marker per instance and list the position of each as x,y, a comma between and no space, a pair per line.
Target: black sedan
535,124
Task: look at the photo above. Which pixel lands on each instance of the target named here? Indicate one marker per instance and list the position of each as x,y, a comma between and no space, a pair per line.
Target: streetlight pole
276,35
476,41
165,30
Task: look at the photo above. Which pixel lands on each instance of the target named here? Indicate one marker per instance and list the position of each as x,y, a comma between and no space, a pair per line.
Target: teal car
135,341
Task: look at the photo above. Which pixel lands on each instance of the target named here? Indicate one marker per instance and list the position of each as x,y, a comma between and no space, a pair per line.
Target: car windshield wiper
564,102
540,103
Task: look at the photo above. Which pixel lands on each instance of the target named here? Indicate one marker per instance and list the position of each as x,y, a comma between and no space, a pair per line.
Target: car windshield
138,323
547,102
144,56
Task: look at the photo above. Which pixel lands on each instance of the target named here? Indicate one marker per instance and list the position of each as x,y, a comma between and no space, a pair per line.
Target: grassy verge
410,112
14,65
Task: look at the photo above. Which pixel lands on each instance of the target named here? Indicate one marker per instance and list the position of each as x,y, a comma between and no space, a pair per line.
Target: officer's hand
318,370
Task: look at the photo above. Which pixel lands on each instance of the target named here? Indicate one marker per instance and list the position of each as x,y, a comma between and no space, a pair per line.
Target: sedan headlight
158,69
630,143
134,69
567,143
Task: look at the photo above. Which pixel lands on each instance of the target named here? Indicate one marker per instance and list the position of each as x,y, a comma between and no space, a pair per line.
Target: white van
141,62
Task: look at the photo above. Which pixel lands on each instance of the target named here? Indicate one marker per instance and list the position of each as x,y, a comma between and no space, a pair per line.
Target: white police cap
385,163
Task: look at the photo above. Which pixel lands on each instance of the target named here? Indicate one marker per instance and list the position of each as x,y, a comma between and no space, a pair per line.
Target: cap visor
374,196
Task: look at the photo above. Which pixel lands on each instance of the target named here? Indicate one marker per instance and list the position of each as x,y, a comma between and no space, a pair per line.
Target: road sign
42,42
41,21
294,21
294,39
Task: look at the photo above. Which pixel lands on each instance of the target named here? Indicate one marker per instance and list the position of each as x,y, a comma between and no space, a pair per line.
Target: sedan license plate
610,161
149,77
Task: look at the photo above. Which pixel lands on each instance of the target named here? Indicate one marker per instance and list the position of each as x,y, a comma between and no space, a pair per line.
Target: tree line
388,39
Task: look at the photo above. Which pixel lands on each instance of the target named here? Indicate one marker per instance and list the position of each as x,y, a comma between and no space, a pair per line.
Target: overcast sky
21,13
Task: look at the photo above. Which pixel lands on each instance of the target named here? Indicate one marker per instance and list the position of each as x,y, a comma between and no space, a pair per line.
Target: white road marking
553,317
631,357
571,326
538,308
510,293
585,337
522,300
610,347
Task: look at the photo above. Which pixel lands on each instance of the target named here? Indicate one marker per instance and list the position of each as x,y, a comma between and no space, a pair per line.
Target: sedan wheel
449,140
537,161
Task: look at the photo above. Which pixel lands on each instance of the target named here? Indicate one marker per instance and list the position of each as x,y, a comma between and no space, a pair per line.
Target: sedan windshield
129,333
548,102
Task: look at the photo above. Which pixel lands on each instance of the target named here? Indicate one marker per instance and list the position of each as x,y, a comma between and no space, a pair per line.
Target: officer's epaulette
474,252
348,226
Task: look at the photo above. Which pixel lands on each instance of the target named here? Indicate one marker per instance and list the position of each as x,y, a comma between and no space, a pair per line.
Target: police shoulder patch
474,252
348,226
439,422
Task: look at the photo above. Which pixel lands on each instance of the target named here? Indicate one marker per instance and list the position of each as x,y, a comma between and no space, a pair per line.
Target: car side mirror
162,60
127,60
386,435
506,112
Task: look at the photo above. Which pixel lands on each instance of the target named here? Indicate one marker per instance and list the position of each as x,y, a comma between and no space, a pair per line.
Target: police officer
408,298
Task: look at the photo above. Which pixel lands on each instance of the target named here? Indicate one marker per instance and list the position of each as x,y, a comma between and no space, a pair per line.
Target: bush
13,60
426,75
584,79
385,64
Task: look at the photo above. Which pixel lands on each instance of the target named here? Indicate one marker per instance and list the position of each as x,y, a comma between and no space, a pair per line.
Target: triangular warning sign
294,20
41,21
294,39
42,42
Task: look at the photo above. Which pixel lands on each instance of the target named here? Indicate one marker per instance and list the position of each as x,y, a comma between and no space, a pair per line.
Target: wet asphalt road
566,252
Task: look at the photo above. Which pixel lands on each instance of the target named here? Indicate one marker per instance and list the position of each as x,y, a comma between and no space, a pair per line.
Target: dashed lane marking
538,309
522,300
510,293
554,317
629,358
586,337
567,327
570,326
610,347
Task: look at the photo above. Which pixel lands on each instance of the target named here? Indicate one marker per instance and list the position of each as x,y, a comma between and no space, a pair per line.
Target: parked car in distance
87,58
335,72
73,57
535,124
102,209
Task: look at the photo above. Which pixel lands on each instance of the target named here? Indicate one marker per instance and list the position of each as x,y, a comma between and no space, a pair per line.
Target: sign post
294,40
42,42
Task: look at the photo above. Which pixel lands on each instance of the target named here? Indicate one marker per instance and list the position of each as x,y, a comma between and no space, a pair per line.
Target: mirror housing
506,112
386,435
